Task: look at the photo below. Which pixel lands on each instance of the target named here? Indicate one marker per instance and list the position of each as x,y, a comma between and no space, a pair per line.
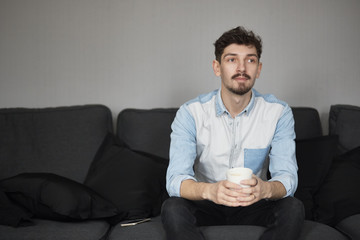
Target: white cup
236,175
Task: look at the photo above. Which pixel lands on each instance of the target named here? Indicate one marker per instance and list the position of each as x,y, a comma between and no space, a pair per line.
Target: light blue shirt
206,141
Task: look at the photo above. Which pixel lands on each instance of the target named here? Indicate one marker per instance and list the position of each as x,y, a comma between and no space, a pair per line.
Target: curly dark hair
238,35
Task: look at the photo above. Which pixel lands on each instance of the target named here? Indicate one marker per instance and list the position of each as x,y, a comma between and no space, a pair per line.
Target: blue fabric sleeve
182,151
283,166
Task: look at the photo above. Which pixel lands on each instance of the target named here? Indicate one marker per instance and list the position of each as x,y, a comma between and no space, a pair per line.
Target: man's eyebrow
230,54
234,54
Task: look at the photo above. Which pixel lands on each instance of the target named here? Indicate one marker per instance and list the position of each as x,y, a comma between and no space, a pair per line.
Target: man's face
238,69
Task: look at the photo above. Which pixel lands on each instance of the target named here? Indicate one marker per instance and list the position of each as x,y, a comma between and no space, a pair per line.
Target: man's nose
241,66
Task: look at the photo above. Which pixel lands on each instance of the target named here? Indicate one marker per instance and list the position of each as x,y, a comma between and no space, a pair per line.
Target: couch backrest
59,140
146,130
307,122
149,130
344,121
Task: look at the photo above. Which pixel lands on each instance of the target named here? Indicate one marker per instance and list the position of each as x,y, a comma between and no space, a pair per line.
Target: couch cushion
315,231
314,158
344,121
60,140
154,230
146,130
133,181
47,229
145,231
339,196
307,122
50,196
310,231
350,226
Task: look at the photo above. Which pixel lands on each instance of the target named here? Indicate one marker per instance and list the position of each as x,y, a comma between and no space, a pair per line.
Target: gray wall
158,53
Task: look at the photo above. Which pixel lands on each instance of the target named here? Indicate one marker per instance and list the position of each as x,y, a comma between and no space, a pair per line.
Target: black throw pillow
133,181
11,214
50,196
339,196
314,158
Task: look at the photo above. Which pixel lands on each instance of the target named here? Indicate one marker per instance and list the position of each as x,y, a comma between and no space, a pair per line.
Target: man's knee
176,212
172,204
293,207
173,207
295,204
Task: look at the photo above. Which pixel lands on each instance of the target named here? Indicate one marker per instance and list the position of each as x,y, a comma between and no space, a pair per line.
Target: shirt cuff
288,184
174,190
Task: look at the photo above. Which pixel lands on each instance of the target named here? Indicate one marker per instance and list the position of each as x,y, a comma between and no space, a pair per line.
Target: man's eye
250,60
231,60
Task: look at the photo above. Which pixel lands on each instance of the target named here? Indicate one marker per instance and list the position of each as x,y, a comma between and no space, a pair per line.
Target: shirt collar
221,109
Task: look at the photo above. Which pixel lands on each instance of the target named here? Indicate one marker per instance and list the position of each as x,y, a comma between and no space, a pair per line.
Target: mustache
241,75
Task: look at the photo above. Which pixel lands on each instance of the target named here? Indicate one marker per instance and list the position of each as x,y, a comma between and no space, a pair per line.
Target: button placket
237,141
232,132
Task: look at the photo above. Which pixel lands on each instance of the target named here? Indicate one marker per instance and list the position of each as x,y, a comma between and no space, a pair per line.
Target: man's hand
257,190
225,193
231,194
260,189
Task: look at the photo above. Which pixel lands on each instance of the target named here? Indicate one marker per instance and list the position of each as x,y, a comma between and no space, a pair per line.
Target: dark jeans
282,218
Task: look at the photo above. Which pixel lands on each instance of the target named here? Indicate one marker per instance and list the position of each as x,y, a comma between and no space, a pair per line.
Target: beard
242,88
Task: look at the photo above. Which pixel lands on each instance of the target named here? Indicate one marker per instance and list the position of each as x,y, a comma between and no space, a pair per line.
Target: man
234,126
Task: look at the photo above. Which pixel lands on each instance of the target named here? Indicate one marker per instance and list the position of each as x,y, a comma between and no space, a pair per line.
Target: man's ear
216,68
259,70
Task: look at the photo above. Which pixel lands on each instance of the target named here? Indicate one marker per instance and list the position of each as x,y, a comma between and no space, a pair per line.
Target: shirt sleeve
283,166
182,151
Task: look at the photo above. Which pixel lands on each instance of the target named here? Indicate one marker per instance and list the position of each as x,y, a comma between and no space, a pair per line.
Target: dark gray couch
65,141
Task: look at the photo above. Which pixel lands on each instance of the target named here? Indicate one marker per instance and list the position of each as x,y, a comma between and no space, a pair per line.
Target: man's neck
235,103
